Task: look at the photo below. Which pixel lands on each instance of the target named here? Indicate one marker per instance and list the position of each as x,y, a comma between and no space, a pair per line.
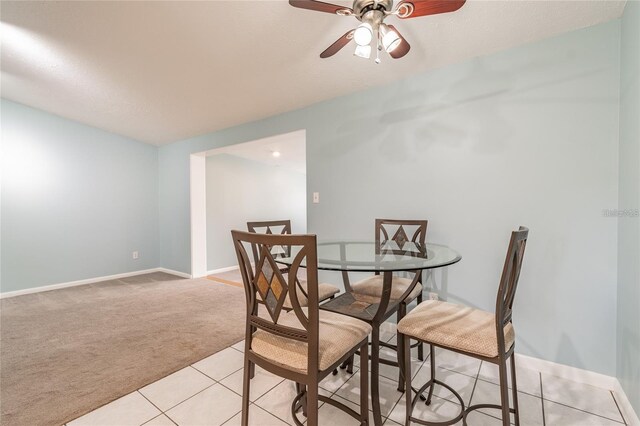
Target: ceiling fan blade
321,6
402,49
415,8
338,44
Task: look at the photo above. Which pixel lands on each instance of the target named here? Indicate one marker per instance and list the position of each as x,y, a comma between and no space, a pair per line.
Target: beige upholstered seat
372,286
325,291
455,326
338,334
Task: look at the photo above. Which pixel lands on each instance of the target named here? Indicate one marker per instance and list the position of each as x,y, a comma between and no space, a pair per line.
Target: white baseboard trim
89,281
629,414
174,272
586,377
74,283
221,270
567,372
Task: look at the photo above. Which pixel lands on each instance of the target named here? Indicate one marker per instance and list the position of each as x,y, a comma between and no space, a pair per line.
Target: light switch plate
316,198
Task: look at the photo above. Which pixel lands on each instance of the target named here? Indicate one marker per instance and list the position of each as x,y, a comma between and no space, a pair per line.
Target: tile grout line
618,407
197,393
475,383
217,381
257,398
497,384
173,406
269,390
474,390
161,414
569,406
464,374
257,406
544,419
335,393
254,402
158,408
584,411
422,365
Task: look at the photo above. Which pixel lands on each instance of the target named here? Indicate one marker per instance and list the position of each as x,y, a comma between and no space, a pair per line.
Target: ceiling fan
371,14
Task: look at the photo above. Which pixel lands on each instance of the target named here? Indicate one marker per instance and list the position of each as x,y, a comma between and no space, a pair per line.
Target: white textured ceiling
164,71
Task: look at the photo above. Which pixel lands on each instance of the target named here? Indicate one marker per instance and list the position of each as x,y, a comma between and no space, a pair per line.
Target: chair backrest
400,231
264,281
509,281
278,227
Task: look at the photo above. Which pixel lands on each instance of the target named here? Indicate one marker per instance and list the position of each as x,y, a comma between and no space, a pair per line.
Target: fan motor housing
360,7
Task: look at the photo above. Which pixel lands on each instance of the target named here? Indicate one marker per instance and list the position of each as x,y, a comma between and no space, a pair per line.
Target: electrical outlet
135,255
316,198
433,296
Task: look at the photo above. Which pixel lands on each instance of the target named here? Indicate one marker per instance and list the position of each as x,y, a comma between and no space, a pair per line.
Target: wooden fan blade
402,49
320,6
415,8
338,44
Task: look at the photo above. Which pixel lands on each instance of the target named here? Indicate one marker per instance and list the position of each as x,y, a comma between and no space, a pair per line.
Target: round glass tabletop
371,256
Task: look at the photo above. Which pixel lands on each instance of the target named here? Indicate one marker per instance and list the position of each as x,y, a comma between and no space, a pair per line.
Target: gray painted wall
628,309
241,190
76,201
526,136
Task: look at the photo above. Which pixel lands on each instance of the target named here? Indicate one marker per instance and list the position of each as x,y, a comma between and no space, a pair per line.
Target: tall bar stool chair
305,344
406,236
472,332
283,227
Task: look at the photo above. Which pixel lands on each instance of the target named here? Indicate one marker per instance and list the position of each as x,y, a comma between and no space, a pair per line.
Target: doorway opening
259,180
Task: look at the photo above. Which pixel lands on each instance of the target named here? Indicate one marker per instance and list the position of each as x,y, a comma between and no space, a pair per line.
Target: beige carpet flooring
234,277
66,352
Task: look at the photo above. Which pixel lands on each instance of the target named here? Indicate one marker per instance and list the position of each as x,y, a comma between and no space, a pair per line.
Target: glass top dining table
380,257
372,256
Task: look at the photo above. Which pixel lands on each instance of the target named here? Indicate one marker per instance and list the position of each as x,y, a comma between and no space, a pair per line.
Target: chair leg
432,362
504,392
312,404
246,388
514,390
301,403
364,384
350,364
406,370
252,370
402,312
420,344
304,400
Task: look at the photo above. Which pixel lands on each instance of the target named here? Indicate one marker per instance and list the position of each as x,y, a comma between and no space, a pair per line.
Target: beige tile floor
209,393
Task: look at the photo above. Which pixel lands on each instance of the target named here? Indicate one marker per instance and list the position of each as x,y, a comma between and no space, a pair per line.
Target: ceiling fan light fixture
363,51
390,38
363,34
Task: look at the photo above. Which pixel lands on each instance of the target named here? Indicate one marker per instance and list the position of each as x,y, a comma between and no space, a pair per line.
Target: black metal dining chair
472,332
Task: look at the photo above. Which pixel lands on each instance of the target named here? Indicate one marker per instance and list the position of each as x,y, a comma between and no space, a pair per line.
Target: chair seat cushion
455,326
338,335
325,291
372,286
